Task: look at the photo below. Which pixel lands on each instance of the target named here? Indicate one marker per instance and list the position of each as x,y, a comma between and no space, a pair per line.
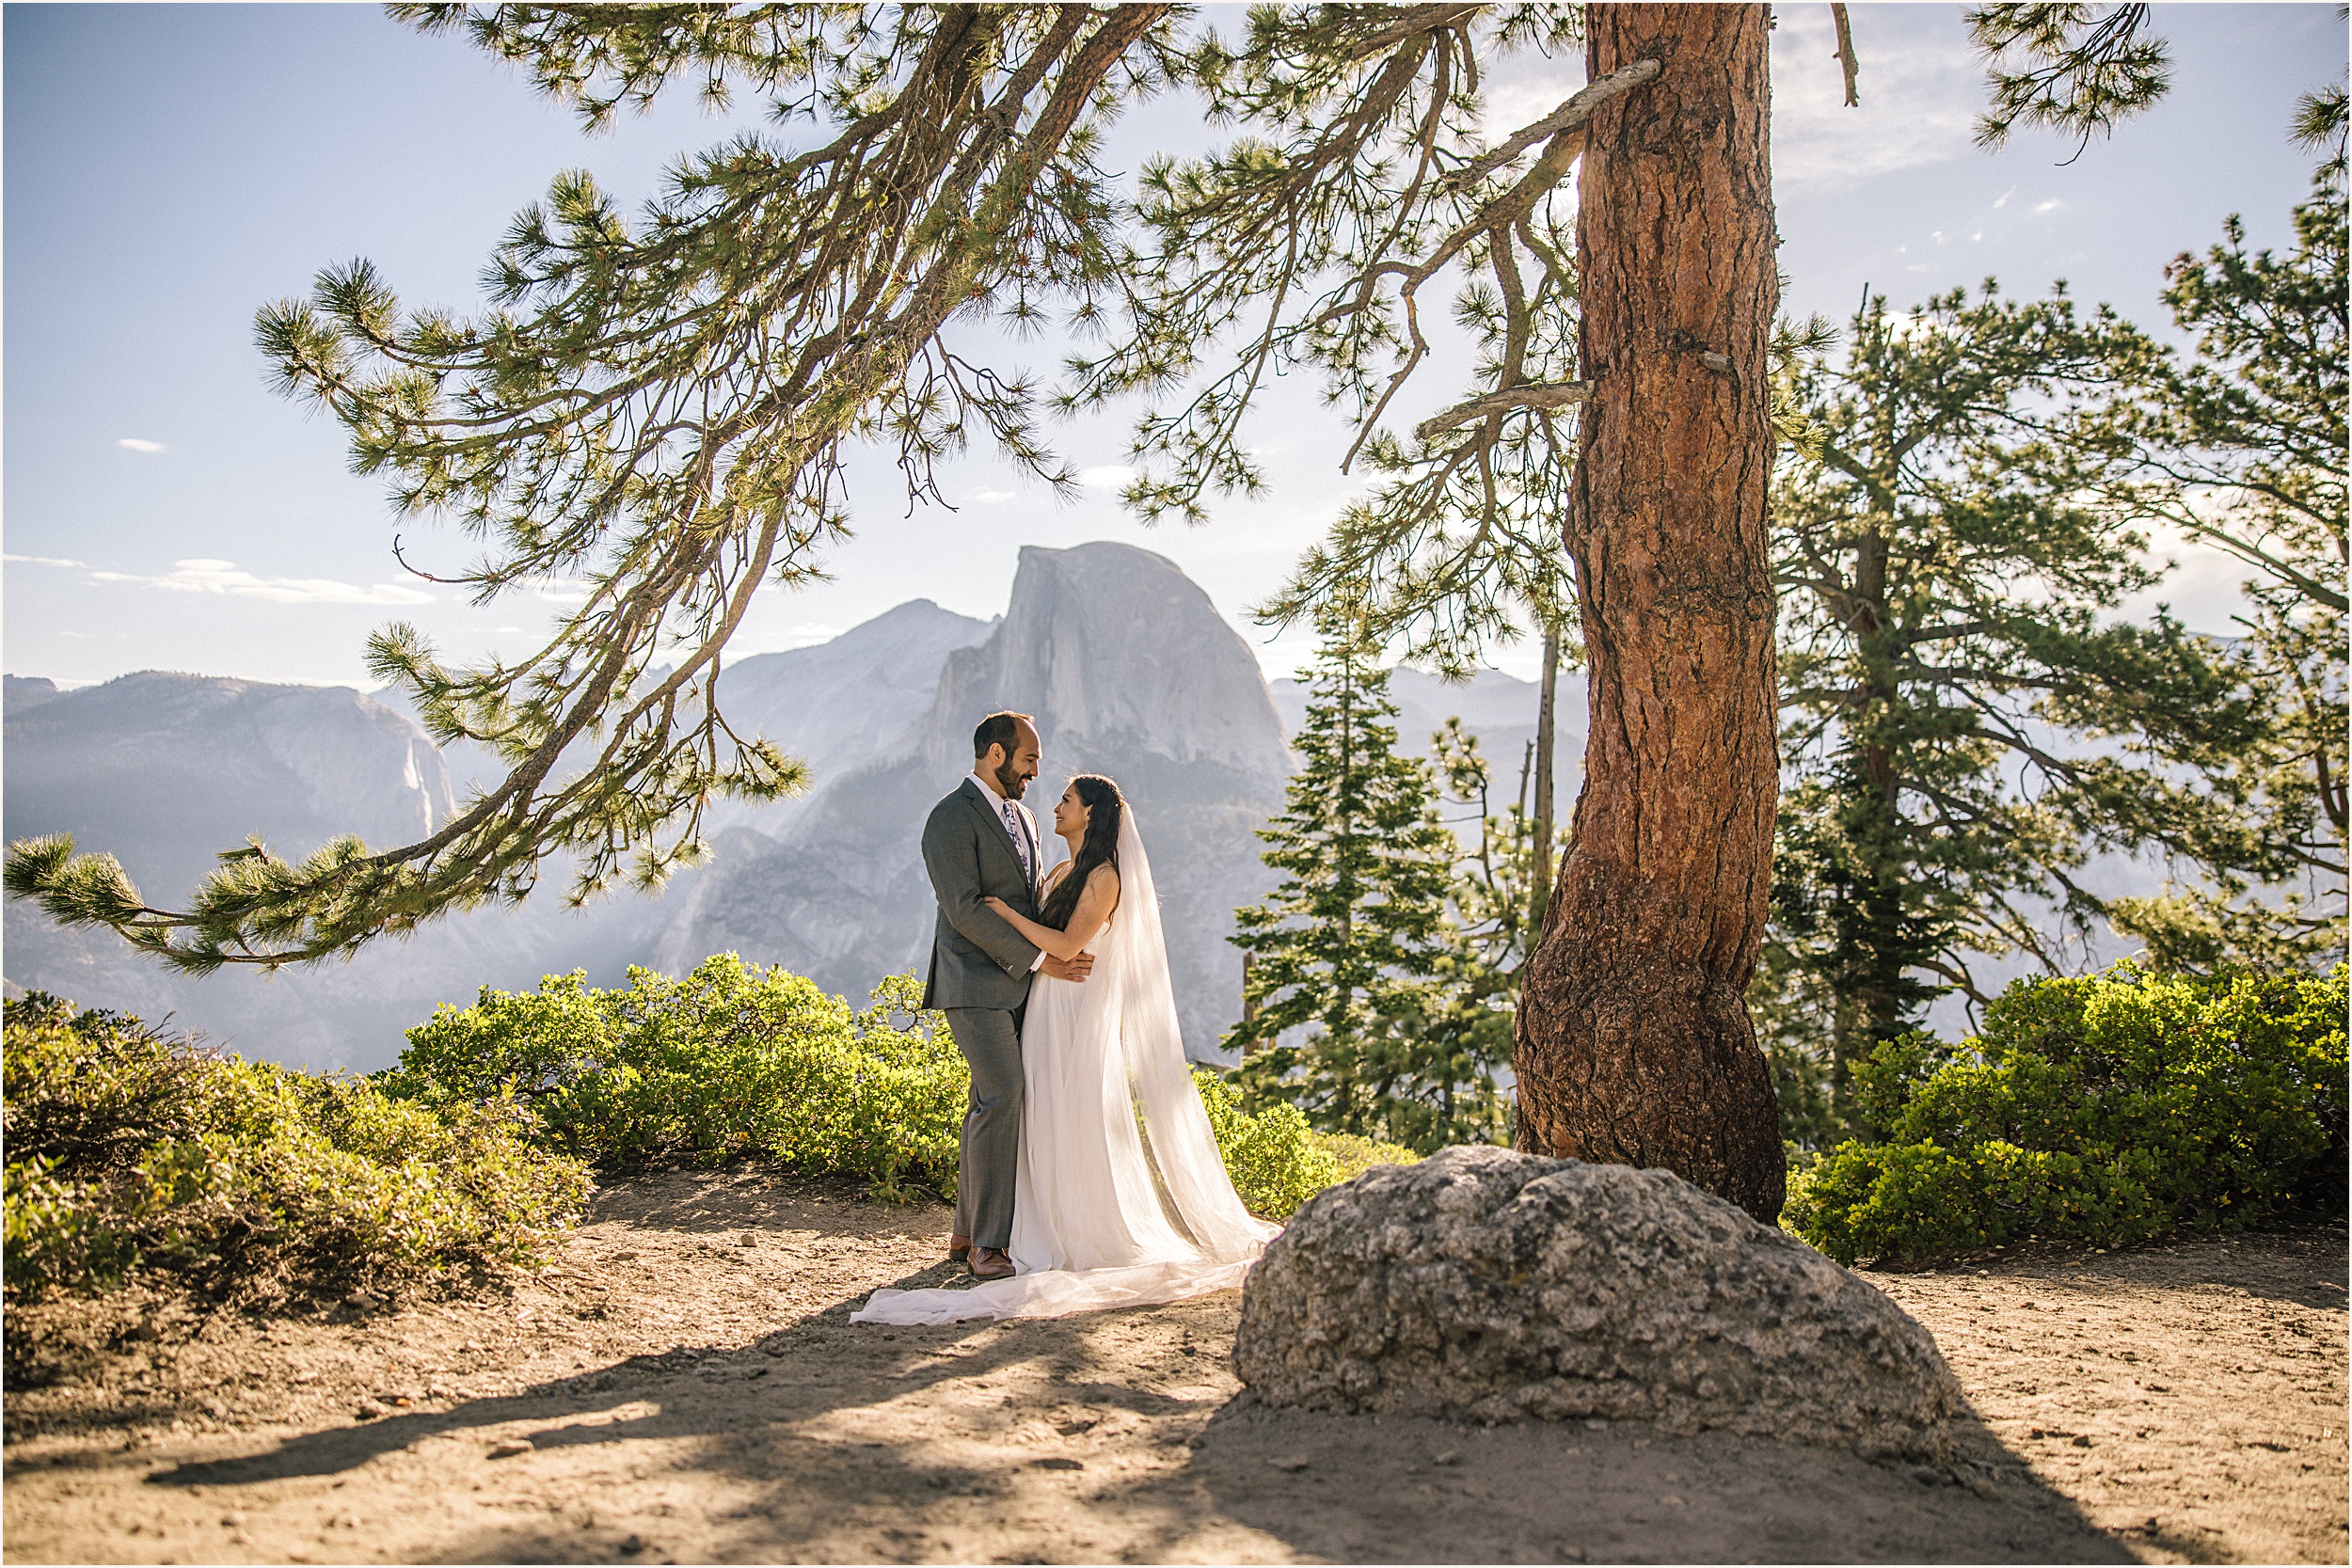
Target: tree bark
1547,735
1634,1041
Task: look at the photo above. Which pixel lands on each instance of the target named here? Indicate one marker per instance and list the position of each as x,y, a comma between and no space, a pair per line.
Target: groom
982,843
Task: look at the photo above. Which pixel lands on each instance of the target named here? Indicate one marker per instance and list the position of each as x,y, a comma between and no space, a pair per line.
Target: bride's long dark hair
1104,807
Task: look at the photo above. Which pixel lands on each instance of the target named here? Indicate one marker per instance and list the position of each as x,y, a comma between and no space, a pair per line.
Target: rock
368,1409
1491,1286
507,1448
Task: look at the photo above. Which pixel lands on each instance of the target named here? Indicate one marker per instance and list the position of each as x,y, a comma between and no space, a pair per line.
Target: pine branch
1549,395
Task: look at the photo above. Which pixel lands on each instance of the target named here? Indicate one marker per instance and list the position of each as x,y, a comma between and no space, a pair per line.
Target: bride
1105,1212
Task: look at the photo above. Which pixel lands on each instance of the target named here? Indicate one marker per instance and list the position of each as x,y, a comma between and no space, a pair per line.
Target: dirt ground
683,1384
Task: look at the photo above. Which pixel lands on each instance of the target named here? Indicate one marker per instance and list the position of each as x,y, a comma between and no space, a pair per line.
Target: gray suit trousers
990,1039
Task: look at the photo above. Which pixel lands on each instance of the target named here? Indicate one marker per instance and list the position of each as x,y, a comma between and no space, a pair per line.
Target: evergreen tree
1497,899
1349,945
2239,444
1965,721
663,406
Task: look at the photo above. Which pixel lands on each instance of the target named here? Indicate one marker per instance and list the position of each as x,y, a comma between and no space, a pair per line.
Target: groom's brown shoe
988,1262
958,1247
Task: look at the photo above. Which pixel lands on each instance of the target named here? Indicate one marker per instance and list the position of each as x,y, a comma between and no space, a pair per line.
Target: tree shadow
1111,1435
1107,1436
901,1360
1403,1489
704,1202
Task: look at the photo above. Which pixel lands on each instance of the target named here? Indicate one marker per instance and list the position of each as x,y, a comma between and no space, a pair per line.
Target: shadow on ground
1112,1437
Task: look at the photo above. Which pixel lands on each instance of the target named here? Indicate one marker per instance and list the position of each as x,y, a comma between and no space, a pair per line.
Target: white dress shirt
997,804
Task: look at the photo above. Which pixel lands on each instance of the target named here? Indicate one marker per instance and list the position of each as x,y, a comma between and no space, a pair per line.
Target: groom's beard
1011,784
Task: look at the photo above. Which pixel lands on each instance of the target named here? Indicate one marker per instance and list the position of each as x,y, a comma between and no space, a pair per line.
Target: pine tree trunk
1547,735
1634,1045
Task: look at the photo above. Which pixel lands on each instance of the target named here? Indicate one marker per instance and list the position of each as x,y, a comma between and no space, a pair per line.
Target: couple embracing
1088,1177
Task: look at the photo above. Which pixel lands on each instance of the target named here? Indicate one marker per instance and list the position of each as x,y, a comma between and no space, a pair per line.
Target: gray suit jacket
976,959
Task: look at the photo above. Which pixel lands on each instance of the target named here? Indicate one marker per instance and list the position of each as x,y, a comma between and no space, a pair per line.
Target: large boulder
1494,1286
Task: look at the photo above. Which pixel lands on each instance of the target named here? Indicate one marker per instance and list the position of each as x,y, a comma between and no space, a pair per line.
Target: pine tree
1634,1044
1965,718
1349,942
2239,443
1497,911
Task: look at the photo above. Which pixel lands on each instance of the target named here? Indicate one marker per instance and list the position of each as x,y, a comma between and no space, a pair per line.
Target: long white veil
1179,1142
1180,1227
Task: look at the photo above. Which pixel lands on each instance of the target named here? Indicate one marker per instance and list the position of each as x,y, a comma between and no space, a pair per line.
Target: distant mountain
22,694
164,772
166,762
840,706
1130,672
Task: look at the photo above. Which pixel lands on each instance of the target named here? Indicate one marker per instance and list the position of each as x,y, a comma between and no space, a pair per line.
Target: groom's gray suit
979,978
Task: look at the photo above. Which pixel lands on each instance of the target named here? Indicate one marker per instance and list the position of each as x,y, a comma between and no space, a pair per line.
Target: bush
735,1062
1276,1162
1357,1155
2107,1110
128,1149
730,1062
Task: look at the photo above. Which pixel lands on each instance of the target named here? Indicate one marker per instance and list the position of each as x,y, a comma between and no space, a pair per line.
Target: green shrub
1276,1162
2106,1109
734,1062
729,1061
1357,1155
128,1149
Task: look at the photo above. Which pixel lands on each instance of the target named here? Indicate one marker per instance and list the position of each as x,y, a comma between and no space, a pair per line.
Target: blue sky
169,169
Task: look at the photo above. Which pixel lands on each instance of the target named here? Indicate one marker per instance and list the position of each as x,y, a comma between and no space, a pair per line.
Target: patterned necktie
1019,840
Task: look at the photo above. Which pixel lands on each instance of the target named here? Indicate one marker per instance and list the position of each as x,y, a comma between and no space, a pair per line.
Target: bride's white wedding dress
1121,1198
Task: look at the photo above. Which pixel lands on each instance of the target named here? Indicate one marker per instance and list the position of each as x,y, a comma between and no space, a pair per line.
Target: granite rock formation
1492,1286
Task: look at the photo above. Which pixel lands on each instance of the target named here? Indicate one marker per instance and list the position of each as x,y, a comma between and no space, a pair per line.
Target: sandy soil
683,1385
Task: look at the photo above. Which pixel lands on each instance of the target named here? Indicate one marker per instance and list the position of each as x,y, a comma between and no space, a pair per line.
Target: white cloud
2047,207
223,577
988,498
1920,93
132,443
1116,477
42,560
2002,200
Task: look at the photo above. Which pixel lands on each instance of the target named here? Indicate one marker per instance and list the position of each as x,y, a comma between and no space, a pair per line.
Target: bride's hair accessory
1105,809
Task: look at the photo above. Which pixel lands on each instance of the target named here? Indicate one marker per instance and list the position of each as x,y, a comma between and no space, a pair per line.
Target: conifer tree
1348,945
1966,720
2238,442
1496,899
